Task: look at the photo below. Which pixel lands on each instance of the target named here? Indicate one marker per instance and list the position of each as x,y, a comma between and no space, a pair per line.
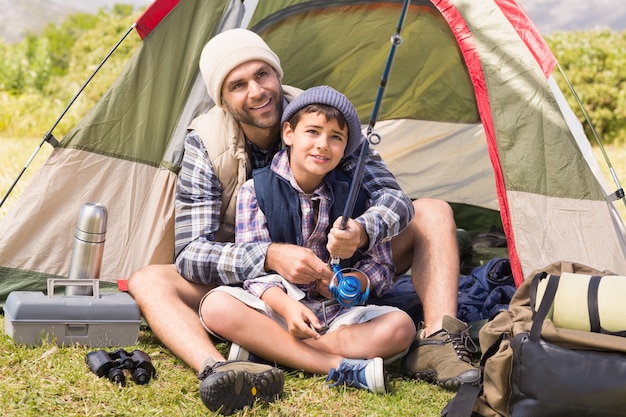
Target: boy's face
253,94
317,147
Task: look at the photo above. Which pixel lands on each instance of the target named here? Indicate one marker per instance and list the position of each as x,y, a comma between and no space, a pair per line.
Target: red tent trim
466,43
529,34
153,16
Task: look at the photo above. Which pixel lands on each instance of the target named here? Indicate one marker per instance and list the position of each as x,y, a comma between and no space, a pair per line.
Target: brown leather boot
443,357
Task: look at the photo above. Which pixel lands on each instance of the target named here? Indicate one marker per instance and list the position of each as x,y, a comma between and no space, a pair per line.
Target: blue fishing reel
347,289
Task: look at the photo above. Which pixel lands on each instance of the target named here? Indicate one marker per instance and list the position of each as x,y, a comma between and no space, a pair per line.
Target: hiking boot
360,373
229,386
444,357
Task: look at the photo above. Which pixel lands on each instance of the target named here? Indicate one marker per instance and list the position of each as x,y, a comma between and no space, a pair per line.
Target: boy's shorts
354,315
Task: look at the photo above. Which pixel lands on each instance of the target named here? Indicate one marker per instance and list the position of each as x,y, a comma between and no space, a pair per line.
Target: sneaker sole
230,391
237,353
377,377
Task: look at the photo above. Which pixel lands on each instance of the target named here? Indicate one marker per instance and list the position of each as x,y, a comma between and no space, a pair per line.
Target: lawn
56,381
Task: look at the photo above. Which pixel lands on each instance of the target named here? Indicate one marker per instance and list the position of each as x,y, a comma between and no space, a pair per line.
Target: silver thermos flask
88,247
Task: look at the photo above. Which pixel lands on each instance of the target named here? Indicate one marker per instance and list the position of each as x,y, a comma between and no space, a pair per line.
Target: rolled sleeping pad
588,303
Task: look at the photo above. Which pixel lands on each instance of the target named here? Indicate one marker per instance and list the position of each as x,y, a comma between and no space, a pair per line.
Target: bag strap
593,308
546,302
462,404
592,303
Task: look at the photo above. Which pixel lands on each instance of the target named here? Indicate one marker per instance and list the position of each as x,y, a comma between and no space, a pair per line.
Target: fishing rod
347,290
49,137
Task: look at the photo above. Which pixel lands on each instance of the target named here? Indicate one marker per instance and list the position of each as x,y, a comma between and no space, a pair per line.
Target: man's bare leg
429,242
169,303
429,247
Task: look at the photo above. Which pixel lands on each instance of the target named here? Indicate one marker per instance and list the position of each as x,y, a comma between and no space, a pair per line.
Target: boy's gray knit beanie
330,97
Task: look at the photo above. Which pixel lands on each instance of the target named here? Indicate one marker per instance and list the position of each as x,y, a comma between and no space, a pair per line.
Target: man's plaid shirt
199,258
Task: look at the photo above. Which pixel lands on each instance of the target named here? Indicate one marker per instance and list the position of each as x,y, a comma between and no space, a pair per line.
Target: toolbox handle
94,283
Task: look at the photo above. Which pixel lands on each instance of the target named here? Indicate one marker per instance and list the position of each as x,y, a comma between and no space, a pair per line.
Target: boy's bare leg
384,336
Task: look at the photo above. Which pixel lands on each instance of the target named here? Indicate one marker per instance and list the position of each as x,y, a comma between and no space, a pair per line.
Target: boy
293,201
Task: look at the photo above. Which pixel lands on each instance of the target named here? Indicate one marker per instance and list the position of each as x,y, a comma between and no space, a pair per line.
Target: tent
471,114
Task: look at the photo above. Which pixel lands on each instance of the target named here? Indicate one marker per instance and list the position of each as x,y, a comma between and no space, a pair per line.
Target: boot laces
463,344
208,370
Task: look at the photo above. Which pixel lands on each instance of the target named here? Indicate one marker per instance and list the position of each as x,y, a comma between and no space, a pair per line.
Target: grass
55,381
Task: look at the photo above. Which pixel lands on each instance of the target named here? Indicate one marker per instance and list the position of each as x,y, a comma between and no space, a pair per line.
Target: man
242,132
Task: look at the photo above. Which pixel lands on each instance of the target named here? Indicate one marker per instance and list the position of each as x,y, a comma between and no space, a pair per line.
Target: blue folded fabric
486,290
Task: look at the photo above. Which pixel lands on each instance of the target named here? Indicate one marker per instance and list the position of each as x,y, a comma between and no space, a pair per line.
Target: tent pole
619,193
49,137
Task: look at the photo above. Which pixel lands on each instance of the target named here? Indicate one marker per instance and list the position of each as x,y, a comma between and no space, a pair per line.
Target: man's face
253,94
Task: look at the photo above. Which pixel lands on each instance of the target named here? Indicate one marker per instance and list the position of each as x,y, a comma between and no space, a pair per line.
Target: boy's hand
343,243
302,322
322,288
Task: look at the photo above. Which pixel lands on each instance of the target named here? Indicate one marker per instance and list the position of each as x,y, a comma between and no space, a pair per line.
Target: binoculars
112,365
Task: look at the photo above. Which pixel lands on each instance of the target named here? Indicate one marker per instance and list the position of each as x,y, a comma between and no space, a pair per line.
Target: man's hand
296,264
344,243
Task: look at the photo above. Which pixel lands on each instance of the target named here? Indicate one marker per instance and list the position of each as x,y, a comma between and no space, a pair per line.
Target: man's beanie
330,97
229,49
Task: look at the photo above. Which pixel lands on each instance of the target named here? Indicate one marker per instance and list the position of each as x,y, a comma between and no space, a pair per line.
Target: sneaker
360,373
237,353
444,357
229,386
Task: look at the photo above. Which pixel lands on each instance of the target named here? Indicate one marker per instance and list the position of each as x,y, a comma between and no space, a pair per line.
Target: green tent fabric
124,154
471,114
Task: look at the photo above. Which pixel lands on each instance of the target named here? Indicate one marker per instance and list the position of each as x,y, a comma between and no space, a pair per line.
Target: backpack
533,368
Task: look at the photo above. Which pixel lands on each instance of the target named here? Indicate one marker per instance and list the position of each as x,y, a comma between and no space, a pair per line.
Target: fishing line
373,138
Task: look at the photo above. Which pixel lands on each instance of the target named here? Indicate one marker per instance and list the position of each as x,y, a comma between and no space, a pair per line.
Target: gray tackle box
100,320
